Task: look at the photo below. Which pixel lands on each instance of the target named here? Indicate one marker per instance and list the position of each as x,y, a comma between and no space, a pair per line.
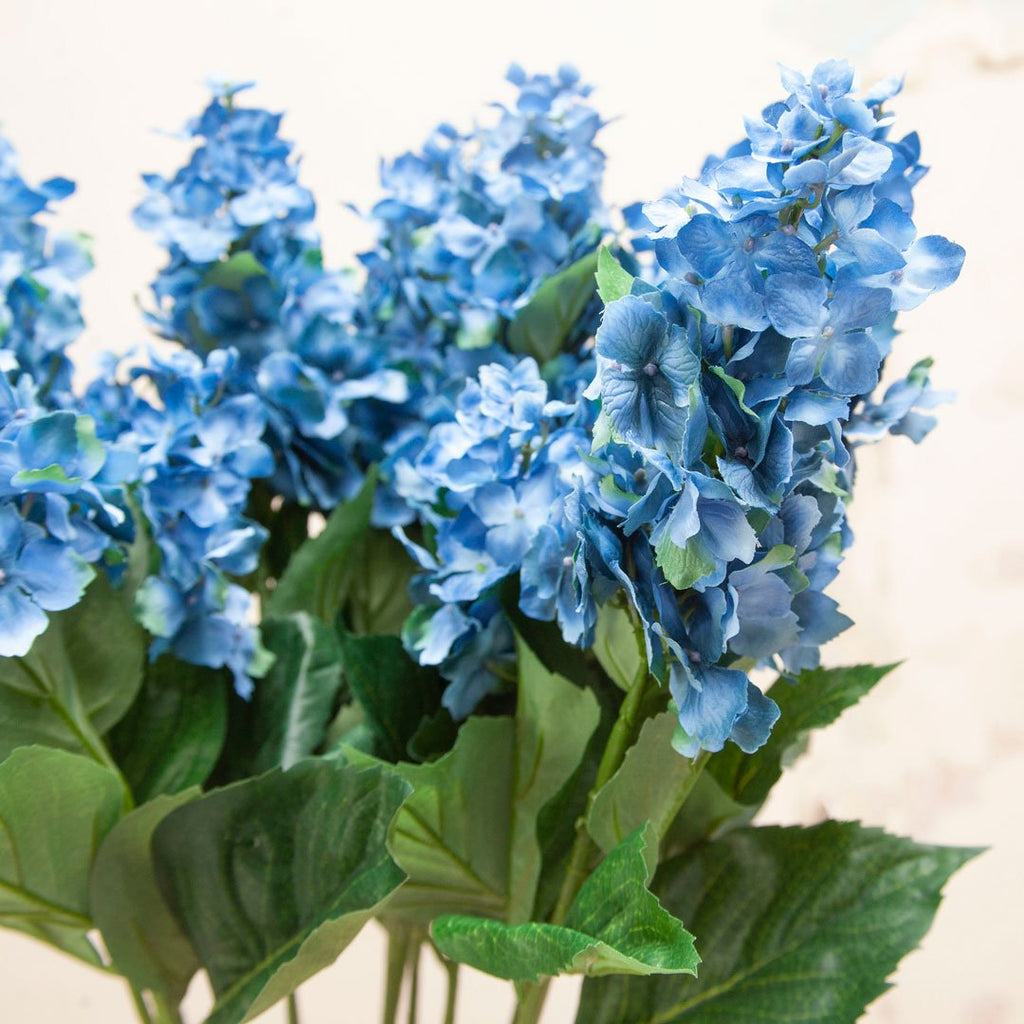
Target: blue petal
21,621
707,714
752,728
851,364
53,574
796,304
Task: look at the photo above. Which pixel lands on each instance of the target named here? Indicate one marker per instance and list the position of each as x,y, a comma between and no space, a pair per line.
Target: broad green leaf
272,877
554,721
545,323
319,573
817,698
395,693
683,566
615,645
613,280
631,797
292,705
173,733
143,938
79,678
615,925
467,836
709,812
795,924
378,597
55,809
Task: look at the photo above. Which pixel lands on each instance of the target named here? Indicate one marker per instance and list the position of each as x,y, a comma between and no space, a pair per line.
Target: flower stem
622,736
398,953
414,986
293,1008
452,968
141,1011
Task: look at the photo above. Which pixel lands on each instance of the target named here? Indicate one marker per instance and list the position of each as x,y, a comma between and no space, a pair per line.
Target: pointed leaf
173,733
615,925
79,678
141,934
395,692
319,573
55,809
292,706
613,280
794,924
272,877
817,698
545,323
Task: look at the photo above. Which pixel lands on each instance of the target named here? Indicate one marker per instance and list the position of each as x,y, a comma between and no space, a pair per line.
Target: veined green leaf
794,924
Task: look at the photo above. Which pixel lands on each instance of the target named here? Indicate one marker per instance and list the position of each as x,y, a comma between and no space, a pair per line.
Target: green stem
622,736
398,954
453,987
140,1005
293,1009
167,1013
414,986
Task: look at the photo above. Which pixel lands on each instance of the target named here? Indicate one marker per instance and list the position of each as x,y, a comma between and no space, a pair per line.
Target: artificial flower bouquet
479,589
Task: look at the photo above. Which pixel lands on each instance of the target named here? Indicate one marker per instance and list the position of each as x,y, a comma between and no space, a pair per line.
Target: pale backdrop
937,575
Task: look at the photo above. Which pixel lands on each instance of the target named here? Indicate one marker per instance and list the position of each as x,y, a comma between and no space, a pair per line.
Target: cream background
937,575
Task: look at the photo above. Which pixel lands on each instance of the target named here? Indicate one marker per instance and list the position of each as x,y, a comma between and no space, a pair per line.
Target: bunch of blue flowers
712,495
485,535
39,299
246,271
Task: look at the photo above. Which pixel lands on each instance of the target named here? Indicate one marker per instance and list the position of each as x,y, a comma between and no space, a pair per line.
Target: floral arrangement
446,590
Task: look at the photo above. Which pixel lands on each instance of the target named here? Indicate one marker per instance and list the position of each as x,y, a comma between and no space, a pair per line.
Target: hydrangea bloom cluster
61,509
712,497
246,271
471,226
39,299
198,448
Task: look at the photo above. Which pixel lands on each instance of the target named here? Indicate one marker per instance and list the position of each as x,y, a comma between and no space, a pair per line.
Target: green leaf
817,698
318,577
545,323
395,693
613,280
683,566
232,273
79,678
141,934
292,706
378,596
795,924
272,877
467,836
615,645
629,799
173,733
55,809
615,925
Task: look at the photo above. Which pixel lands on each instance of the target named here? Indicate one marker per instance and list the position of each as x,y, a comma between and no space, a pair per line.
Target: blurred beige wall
937,574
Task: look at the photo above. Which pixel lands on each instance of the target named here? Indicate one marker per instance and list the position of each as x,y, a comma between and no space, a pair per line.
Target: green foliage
544,325
55,809
292,706
794,924
79,678
683,566
616,647
467,836
141,934
615,925
318,576
646,787
272,877
378,594
613,280
817,698
396,694
172,735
